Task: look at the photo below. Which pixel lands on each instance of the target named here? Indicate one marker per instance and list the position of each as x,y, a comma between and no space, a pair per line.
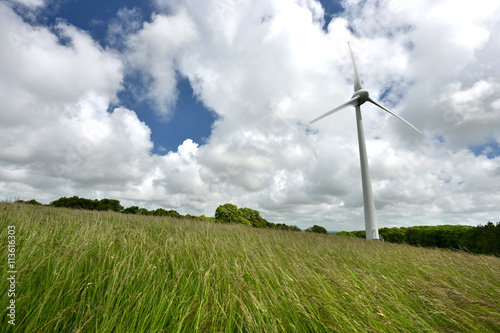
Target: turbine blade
352,102
357,80
395,115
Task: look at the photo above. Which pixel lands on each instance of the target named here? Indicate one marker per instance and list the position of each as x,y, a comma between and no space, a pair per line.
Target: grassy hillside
88,271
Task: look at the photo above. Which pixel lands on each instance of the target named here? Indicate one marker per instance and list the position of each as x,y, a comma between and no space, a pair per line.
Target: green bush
82,203
132,210
228,213
345,233
253,216
483,239
30,202
317,229
164,212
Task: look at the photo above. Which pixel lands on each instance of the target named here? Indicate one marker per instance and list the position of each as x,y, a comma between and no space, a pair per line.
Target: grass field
87,271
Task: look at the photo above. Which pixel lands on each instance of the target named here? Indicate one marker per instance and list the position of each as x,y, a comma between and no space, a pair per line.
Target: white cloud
31,4
55,129
154,50
127,22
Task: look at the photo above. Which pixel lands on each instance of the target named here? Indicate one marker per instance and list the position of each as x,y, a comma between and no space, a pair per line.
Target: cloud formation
266,68
57,85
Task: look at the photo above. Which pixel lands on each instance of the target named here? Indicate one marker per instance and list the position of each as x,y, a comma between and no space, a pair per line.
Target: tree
75,202
30,202
131,210
109,204
345,233
359,233
393,235
317,229
489,239
228,213
82,203
253,216
163,212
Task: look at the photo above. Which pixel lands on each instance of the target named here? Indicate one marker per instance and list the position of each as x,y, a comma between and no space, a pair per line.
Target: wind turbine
361,96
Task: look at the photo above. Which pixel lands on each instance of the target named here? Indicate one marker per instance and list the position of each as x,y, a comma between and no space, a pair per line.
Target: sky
188,105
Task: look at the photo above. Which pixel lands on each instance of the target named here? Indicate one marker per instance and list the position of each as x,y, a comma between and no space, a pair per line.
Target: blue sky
190,104
189,118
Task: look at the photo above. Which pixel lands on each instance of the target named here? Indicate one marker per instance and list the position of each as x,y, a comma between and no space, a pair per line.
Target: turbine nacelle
362,95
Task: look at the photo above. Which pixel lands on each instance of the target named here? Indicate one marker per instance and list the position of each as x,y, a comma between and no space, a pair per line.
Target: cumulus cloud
266,68
127,22
153,51
33,4
56,131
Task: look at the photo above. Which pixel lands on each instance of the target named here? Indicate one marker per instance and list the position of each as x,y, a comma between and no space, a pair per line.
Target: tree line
227,213
483,239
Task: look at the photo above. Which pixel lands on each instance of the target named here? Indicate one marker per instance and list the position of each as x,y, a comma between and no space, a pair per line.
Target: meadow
94,271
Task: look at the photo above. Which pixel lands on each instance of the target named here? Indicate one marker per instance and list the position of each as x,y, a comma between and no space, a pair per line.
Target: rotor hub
362,95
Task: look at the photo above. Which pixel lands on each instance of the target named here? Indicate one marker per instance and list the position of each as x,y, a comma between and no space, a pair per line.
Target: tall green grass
87,271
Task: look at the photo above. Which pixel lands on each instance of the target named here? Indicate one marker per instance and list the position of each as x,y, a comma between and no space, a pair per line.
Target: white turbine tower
360,96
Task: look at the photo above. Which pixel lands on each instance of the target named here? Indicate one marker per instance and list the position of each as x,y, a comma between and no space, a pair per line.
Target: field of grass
88,271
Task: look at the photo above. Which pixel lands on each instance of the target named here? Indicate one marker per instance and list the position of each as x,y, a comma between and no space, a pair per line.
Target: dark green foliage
228,213
157,212
488,238
283,226
82,203
202,217
443,236
481,239
109,204
393,235
253,216
359,234
163,212
345,233
317,229
30,202
132,210
270,225
73,202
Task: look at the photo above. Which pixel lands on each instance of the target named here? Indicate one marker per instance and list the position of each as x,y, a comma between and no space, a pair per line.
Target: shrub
228,213
30,202
131,210
317,229
82,203
345,233
253,216
163,212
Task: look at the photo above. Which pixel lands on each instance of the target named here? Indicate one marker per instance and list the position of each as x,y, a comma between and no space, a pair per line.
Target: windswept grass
87,271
